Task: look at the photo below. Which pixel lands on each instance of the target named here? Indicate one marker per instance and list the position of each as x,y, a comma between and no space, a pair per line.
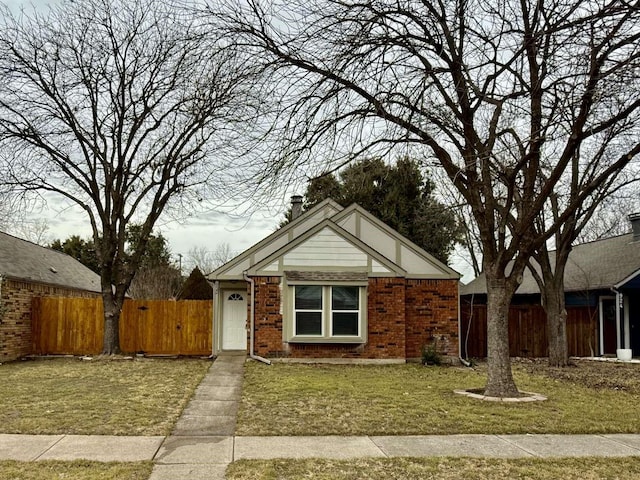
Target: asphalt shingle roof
591,266
23,260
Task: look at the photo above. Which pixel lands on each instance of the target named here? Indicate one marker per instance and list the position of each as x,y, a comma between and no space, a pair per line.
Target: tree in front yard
123,110
503,96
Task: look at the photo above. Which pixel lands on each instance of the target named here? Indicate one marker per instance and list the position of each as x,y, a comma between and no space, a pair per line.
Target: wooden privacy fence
160,327
528,331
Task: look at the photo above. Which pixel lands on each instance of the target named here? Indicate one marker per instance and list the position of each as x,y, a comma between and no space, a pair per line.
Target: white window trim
327,317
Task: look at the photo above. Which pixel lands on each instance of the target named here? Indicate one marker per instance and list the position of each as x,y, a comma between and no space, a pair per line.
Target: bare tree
610,216
156,282
35,230
549,270
469,249
497,91
122,109
208,260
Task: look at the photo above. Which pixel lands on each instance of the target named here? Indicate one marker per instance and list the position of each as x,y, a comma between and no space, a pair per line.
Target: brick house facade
15,314
336,283
28,270
404,315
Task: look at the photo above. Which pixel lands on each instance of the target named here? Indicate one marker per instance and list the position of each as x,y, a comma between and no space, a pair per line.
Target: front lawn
437,469
294,399
105,397
78,470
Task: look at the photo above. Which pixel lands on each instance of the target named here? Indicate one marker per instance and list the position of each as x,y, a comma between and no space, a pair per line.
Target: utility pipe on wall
252,317
214,317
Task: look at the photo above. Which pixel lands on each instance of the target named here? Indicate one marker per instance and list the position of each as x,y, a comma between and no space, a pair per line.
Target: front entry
608,328
234,320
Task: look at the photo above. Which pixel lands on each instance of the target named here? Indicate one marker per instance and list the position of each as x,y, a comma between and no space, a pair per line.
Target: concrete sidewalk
221,450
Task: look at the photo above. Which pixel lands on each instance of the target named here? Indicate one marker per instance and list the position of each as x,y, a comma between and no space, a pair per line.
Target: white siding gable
325,249
390,247
274,267
379,268
414,263
379,240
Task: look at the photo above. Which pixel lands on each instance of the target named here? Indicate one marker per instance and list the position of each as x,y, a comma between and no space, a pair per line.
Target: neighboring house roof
603,264
23,260
329,232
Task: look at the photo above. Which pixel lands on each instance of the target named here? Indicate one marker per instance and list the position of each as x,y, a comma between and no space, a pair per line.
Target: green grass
78,470
437,469
288,399
117,397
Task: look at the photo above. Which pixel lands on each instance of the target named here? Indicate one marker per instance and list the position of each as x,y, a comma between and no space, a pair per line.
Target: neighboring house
28,270
335,283
602,294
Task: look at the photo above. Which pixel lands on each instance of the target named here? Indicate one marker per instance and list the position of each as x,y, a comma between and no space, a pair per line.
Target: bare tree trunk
500,380
551,284
554,306
557,323
111,339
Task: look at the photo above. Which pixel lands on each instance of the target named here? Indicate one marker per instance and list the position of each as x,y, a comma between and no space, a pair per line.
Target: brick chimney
634,218
296,206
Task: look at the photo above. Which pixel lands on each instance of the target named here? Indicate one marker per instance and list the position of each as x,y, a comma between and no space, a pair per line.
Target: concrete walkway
203,442
201,445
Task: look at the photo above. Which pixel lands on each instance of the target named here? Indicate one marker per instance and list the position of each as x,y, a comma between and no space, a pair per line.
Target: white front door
234,320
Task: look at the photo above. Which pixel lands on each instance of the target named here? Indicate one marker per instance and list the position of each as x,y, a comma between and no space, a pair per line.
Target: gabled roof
345,222
23,260
603,264
264,247
444,270
392,267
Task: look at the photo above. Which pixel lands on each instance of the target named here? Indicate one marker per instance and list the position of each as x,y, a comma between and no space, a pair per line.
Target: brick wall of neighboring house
401,316
431,313
15,314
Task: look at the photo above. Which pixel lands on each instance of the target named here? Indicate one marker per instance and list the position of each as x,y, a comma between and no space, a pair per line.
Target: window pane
344,298
308,297
345,323
308,323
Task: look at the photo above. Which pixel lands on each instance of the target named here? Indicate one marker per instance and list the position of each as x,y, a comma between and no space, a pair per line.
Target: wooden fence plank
528,331
76,325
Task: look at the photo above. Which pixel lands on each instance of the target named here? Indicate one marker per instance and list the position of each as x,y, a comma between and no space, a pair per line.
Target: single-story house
335,283
28,270
602,295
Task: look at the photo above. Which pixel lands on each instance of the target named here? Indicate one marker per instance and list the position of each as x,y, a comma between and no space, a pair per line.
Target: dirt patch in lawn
612,376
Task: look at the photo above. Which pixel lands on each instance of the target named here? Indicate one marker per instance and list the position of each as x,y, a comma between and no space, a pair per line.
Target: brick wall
402,316
431,313
268,320
15,319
